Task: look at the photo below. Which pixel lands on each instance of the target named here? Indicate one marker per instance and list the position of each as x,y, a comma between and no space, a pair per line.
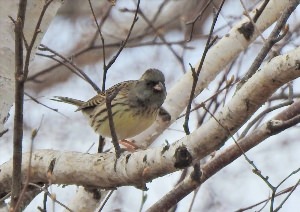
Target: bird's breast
128,121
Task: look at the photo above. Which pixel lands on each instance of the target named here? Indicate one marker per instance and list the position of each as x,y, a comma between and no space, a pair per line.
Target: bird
134,108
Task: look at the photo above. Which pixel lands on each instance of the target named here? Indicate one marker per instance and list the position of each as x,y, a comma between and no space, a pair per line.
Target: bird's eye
151,83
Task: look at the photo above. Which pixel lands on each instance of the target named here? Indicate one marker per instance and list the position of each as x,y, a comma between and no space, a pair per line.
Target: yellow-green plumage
127,122
134,108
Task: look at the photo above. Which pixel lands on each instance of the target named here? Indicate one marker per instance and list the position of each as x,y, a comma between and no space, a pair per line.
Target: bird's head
150,89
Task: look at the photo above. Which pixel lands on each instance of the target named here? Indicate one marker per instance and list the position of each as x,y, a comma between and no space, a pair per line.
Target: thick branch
140,167
271,40
233,43
227,156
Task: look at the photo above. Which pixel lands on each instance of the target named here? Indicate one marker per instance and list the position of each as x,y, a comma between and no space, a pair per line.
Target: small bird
134,108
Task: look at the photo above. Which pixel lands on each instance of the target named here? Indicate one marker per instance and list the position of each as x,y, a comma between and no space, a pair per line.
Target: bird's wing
100,98
93,102
121,87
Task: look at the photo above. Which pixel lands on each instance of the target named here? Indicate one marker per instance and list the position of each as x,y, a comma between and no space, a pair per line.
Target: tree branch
214,63
227,156
273,38
19,101
143,166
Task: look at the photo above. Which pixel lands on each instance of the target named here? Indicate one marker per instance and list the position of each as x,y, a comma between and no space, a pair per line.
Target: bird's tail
68,100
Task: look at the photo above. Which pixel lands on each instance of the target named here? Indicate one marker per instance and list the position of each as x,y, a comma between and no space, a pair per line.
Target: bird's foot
130,146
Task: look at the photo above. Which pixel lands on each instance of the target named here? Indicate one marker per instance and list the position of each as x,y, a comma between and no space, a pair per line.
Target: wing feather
100,98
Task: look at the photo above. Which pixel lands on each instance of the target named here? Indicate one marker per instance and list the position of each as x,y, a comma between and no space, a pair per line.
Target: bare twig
101,143
290,193
252,21
284,191
67,65
199,16
123,44
38,102
19,101
275,128
273,38
103,44
22,194
262,114
112,128
101,138
45,48
260,10
90,48
45,202
35,34
160,35
228,155
229,84
21,73
195,74
105,201
51,196
99,26
3,132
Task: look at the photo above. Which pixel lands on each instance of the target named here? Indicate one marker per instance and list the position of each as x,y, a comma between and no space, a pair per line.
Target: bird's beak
159,87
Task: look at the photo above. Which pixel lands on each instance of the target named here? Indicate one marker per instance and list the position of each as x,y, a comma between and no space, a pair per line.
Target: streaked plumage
134,108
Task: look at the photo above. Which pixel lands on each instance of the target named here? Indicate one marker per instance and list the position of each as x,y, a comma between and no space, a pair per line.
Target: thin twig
227,156
101,138
5,197
260,11
45,48
252,21
103,44
3,132
199,16
109,98
105,201
193,199
229,84
262,114
273,38
123,44
274,129
38,102
51,196
255,169
160,35
35,34
159,10
33,136
113,45
103,19
195,74
289,189
59,62
45,202
286,198
101,143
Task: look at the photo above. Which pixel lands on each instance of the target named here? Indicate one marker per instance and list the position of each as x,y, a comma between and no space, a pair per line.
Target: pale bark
86,201
218,56
10,8
141,167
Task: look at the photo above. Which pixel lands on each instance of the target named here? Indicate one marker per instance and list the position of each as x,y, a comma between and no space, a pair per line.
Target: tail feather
68,100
